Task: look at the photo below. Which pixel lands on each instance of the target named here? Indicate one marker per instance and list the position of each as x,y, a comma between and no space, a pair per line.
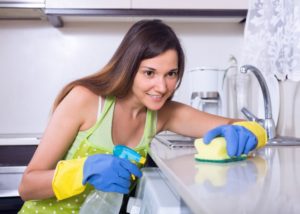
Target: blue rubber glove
239,140
109,173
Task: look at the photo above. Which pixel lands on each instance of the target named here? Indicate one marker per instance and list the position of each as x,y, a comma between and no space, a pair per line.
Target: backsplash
37,60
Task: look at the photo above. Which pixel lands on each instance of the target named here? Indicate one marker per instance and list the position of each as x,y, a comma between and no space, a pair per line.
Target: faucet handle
251,117
268,124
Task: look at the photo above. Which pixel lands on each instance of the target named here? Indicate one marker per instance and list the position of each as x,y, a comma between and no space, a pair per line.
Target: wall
37,59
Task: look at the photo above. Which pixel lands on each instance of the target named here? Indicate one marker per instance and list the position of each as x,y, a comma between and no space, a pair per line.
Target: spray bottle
110,202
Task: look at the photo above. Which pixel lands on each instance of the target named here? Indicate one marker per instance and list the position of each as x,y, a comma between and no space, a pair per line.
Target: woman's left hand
239,140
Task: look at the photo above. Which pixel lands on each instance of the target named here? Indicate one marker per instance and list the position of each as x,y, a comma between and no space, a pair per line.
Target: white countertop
268,182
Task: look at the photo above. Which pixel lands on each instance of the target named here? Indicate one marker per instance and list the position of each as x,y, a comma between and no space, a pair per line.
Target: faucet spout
268,122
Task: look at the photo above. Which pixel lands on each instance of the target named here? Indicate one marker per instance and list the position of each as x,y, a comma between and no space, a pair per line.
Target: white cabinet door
190,4
88,4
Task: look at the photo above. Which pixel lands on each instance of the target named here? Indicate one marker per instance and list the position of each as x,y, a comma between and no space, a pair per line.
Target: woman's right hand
109,173
239,140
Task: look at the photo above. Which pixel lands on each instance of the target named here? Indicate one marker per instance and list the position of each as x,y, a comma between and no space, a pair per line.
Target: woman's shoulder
82,100
83,94
85,103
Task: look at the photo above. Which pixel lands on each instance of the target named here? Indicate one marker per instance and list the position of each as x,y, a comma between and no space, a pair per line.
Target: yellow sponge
215,151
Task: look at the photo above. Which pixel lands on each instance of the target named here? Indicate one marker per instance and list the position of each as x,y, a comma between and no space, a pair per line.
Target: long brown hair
145,39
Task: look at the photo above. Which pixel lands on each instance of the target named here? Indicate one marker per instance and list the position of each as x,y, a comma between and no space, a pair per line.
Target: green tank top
96,140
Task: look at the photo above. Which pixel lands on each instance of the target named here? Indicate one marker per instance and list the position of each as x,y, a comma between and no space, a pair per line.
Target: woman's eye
149,73
172,74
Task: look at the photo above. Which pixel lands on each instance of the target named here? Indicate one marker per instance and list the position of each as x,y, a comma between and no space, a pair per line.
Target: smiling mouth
155,96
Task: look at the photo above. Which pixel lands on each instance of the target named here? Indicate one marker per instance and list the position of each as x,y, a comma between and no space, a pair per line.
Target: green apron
96,140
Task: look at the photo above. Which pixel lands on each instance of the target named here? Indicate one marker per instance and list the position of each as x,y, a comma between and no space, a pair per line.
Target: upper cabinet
21,9
89,4
147,4
58,11
190,4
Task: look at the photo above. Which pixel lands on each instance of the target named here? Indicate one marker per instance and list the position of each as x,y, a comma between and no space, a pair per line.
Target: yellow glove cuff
257,130
67,179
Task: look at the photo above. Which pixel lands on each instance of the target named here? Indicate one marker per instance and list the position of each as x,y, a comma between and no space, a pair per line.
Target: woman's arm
69,117
188,121
241,137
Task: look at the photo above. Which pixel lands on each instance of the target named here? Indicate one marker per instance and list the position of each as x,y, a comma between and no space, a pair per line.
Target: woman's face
156,79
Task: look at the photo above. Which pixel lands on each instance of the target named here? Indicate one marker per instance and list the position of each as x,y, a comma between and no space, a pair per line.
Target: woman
127,102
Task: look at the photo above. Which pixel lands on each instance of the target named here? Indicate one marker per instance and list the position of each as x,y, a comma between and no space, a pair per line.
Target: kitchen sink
284,141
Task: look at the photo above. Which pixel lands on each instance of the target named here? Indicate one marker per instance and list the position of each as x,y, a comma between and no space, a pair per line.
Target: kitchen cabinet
88,4
23,9
22,3
190,4
146,4
15,154
10,177
10,205
58,11
117,10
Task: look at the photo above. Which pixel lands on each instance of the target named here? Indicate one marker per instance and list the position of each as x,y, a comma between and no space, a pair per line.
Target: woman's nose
161,85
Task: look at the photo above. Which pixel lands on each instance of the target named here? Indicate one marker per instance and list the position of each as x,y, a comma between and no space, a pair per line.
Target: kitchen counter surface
267,182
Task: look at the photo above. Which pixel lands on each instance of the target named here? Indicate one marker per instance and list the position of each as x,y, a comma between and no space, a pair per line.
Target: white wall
37,59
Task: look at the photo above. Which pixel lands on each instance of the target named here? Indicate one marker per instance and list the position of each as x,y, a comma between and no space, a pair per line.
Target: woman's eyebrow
174,69
153,69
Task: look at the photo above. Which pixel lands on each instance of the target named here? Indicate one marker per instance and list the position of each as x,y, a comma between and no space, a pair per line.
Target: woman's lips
155,97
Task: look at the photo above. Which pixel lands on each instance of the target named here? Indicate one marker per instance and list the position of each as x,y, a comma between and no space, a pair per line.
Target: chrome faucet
268,122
